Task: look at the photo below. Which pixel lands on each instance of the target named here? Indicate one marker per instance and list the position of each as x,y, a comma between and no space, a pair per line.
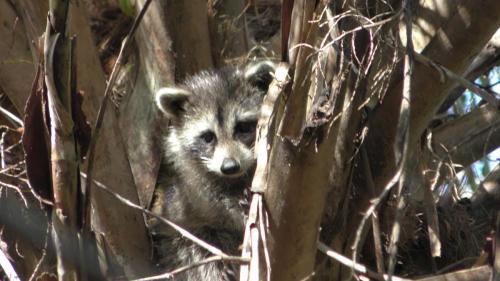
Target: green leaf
127,7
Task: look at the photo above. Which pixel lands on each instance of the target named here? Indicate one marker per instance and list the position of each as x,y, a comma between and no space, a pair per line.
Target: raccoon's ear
260,74
171,101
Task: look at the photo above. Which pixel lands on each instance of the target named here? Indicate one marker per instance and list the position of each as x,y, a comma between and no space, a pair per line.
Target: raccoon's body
209,163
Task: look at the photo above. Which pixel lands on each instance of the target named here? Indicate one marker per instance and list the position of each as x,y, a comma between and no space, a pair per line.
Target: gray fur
213,116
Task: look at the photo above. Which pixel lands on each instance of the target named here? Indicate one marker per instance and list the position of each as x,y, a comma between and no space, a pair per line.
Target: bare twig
175,226
38,266
263,226
356,266
431,213
402,137
363,27
462,81
7,267
124,51
475,273
371,210
2,150
11,116
173,273
379,255
17,189
254,243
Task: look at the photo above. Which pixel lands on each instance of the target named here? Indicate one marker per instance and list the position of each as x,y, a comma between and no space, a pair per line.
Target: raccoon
208,166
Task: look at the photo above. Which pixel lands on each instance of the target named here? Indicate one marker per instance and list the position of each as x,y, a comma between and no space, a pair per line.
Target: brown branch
259,183
7,267
464,140
375,203
454,53
484,61
485,95
401,143
59,80
481,273
11,117
431,214
379,254
486,200
356,266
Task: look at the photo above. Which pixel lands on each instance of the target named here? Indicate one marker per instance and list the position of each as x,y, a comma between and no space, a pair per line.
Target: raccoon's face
213,119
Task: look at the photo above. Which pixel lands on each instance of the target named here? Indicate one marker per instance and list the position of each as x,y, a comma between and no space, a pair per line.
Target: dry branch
454,53
59,80
443,71
486,200
178,228
7,267
485,60
464,140
482,273
259,184
401,143
359,268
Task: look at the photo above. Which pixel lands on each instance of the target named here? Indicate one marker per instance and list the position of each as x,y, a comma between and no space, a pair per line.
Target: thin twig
485,95
370,211
7,267
431,214
402,139
16,120
2,150
245,270
171,274
39,264
363,27
17,189
263,226
379,255
322,247
175,226
124,50
255,258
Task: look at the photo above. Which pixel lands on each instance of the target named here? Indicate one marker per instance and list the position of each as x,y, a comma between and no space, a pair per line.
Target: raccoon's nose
229,166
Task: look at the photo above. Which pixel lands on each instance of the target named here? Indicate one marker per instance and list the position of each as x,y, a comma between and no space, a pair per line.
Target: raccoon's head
213,119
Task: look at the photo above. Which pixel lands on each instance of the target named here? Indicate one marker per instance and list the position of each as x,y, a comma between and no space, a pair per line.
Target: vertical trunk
58,59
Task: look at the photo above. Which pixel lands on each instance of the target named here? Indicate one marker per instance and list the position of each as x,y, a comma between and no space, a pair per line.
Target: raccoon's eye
208,136
245,127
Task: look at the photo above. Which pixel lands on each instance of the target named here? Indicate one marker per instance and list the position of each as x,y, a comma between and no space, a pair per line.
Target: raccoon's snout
229,166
